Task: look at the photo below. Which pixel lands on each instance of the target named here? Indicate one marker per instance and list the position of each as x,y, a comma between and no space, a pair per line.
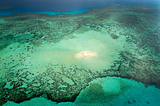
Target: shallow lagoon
104,56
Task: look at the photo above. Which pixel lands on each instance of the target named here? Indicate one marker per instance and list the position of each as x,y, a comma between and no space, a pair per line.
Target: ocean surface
79,53
75,6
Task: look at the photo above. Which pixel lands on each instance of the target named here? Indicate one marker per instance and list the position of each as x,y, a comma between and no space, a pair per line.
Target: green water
38,57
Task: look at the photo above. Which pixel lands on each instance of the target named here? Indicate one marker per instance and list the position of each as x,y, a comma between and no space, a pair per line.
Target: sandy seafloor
39,65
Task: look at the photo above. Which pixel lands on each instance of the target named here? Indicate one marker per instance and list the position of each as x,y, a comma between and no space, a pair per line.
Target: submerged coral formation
108,91
59,56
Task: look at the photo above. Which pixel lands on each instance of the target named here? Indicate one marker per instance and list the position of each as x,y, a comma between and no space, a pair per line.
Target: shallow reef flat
38,53
107,91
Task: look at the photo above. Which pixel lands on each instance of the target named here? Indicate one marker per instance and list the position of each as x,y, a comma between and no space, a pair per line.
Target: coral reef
38,52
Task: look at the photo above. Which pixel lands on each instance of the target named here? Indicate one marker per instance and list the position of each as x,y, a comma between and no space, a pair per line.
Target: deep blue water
76,6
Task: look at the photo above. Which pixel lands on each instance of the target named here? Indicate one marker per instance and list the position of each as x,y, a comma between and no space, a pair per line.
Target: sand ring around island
85,54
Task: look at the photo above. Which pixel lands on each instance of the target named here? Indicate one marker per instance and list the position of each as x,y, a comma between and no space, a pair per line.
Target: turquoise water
76,7
48,11
87,53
